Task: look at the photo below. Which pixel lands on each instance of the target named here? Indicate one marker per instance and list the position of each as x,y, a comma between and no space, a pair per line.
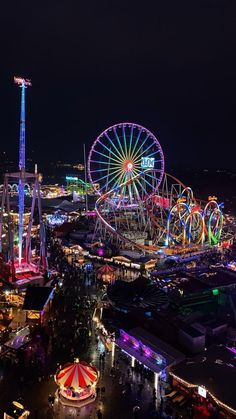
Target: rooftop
155,343
36,298
215,369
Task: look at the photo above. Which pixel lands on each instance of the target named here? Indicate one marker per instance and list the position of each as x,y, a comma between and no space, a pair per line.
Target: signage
147,162
212,198
202,391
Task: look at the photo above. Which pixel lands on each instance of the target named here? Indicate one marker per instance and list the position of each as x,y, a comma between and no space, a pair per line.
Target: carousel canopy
106,269
77,375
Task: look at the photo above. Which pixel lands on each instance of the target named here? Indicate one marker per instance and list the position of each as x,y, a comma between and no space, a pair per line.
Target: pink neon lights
21,81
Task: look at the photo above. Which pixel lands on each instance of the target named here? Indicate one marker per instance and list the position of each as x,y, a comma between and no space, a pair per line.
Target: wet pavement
122,389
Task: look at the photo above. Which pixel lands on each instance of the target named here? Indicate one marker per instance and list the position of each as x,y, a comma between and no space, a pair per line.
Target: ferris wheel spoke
154,187
140,181
118,140
140,148
105,163
140,184
113,144
155,152
146,149
130,193
110,151
136,143
106,176
123,192
117,182
125,142
148,183
112,179
154,177
131,139
98,170
105,155
136,190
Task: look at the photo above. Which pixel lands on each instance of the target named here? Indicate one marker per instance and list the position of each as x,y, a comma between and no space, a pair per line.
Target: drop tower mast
21,260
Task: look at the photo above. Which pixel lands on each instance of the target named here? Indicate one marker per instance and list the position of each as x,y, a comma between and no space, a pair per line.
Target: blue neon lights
147,162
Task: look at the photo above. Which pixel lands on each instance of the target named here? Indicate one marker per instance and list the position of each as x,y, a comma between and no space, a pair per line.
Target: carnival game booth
77,382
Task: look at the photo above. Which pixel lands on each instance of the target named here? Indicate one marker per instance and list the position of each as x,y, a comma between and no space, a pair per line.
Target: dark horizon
94,65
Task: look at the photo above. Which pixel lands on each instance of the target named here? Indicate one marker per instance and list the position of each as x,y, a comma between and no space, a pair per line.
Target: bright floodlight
22,82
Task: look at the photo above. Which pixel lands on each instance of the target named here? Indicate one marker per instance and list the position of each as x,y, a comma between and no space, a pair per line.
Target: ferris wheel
128,159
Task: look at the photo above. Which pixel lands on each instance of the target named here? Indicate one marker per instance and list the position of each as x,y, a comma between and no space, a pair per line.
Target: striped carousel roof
77,375
106,269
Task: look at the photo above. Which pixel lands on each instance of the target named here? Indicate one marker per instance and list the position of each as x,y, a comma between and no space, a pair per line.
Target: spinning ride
77,382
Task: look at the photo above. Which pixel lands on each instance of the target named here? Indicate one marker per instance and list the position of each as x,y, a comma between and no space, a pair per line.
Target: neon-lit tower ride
23,259
23,84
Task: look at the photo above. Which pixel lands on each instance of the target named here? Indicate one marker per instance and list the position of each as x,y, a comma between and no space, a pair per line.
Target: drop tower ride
21,259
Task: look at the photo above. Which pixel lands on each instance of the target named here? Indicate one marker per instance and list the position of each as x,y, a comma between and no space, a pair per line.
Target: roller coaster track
111,229
148,205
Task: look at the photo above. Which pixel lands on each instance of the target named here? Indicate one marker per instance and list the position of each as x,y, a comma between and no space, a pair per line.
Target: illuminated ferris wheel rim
123,162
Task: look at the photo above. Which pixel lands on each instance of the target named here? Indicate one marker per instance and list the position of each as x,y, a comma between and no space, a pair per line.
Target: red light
128,166
22,81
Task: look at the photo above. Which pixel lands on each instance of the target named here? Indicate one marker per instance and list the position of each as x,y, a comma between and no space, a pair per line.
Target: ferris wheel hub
128,166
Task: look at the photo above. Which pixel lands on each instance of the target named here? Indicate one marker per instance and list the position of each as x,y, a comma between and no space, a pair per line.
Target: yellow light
225,406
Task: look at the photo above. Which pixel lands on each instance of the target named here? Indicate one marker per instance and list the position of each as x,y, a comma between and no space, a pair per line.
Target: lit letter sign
147,162
202,391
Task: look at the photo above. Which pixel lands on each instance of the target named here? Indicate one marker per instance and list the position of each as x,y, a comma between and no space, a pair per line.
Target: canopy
106,269
106,273
77,375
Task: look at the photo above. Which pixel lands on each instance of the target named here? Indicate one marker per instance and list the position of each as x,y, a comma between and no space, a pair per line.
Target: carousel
106,273
77,383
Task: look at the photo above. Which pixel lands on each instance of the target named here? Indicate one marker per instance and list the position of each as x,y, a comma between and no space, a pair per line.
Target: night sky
168,65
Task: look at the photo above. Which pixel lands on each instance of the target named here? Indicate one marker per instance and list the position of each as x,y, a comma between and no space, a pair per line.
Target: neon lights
129,166
119,152
72,178
147,162
56,219
189,385
202,391
22,83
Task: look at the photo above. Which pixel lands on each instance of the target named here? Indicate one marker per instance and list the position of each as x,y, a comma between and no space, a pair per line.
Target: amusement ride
139,205
19,242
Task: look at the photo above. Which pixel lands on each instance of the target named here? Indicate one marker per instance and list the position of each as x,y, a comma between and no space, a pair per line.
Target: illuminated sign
71,178
147,162
212,198
202,391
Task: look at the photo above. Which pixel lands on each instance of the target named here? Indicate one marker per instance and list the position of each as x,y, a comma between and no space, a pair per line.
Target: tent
106,273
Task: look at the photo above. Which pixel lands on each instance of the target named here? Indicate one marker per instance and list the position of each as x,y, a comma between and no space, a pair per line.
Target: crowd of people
68,332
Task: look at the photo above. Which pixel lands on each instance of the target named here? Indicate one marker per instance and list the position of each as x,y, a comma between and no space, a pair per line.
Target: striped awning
77,375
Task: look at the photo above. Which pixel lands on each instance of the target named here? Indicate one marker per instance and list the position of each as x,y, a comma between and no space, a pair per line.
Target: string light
218,402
